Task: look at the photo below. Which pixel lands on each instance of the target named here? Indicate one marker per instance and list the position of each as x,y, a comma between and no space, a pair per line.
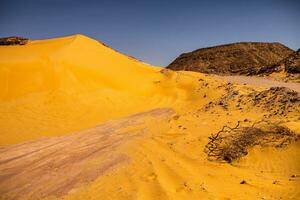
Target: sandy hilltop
80,120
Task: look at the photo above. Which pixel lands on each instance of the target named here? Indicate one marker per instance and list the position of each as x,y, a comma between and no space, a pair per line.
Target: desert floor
82,121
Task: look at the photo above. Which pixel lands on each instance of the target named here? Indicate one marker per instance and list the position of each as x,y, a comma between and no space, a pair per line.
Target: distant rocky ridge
13,41
244,58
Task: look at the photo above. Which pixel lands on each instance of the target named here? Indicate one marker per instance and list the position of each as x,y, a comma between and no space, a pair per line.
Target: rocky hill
245,58
13,41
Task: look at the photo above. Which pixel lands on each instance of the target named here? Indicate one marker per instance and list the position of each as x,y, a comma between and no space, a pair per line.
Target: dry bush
229,144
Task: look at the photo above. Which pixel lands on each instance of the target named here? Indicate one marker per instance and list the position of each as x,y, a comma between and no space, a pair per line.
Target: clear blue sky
155,31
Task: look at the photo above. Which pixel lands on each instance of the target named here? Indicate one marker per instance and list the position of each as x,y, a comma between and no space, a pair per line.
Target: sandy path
259,81
55,166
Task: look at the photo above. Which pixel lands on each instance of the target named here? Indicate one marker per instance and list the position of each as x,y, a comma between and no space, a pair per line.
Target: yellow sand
58,86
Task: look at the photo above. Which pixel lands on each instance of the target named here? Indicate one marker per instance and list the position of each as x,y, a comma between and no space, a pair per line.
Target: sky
155,31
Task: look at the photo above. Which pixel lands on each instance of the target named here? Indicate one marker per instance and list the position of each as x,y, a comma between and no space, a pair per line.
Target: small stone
176,117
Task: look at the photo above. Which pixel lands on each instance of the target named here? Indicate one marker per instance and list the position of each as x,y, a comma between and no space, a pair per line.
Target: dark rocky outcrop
245,58
13,41
292,62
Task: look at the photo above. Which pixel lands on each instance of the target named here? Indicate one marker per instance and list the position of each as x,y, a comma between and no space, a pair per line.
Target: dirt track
55,166
258,81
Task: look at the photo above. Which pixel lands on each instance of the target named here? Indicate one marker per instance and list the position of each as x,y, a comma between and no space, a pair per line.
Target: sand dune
82,121
49,86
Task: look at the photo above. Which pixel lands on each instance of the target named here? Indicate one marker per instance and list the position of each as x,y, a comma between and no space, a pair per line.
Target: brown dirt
55,166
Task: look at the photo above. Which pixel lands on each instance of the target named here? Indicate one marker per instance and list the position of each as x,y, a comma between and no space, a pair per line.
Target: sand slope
54,166
82,121
47,87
